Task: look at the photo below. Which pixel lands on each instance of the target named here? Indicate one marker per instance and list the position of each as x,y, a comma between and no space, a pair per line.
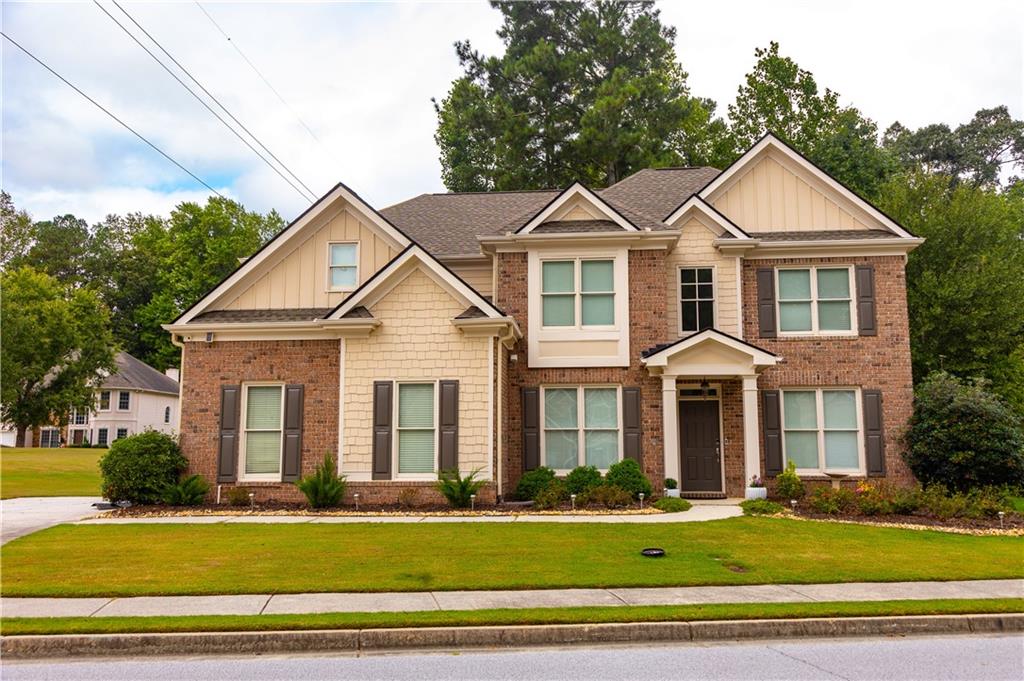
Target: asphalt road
933,658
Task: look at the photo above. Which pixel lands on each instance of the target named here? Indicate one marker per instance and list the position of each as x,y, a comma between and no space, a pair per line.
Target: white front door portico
709,355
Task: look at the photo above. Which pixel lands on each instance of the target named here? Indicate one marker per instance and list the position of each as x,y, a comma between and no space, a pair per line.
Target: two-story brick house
710,324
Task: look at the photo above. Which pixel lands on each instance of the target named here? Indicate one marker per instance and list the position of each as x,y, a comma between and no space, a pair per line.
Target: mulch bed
1012,521
285,508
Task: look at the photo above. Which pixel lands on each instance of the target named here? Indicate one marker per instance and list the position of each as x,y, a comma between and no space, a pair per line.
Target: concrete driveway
19,517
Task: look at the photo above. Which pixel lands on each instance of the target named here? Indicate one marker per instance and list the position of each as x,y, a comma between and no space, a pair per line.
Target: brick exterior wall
881,361
647,328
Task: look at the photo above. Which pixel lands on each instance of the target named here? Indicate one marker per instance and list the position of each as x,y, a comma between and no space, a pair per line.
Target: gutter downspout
509,336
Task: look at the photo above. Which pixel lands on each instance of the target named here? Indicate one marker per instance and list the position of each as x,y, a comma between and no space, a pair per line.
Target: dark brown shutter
772,433
227,455
291,470
866,323
382,411
531,428
631,423
874,436
449,431
766,302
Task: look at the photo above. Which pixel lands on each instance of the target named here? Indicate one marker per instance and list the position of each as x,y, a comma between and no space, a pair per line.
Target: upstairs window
697,298
342,266
124,401
815,300
105,400
578,293
79,417
167,414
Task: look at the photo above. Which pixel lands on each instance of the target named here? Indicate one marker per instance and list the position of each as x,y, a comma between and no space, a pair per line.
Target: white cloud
362,75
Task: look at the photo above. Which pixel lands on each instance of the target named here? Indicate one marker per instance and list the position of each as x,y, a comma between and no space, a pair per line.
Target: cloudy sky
361,76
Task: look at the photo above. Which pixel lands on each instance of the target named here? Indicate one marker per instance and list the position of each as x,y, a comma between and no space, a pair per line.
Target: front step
702,495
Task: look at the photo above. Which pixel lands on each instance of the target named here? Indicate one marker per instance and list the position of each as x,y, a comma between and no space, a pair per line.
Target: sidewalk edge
358,641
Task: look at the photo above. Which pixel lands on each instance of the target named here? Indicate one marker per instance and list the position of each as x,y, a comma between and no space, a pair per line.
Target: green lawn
35,472
378,620
130,560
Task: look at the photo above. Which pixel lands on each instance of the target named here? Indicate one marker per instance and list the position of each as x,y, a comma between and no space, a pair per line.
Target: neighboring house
709,324
136,397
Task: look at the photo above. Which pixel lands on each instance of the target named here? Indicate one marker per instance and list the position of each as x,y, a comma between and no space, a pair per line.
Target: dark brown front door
78,437
700,442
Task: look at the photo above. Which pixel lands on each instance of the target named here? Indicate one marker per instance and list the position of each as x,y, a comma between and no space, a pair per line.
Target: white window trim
327,283
581,446
679,294
99,400
106,438
577,293
259,477
167,415
117,436
619,333
819,400
815,331
395,429
129,394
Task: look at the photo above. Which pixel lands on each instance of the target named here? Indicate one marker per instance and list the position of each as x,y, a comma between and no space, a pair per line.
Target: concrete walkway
267,604
698,513
25,515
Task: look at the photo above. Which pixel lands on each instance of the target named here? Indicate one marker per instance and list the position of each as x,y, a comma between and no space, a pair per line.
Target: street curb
359,641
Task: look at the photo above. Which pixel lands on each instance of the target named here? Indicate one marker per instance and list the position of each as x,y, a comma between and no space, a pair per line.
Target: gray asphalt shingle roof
135,374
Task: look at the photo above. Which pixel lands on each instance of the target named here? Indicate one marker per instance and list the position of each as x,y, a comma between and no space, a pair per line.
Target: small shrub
906,501
582,478
324,488
533,482
627,475
873,499
84,445
788,484
552,496
832,501
761,507
609,496
238,496
408,497
458,490
672,505
962,436
191,491
671,483
140,467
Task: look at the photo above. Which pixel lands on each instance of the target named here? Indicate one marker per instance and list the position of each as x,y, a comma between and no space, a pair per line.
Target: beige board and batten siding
771,196
479,275
696,249
299,279
416,341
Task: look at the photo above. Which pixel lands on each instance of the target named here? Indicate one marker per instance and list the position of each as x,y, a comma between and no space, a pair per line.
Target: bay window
821,430
815,300
577,293
261,449
416,428
581,427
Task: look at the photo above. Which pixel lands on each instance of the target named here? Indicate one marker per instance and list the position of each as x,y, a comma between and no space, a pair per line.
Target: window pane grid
821,429
815,300
696,298
577,293
581,427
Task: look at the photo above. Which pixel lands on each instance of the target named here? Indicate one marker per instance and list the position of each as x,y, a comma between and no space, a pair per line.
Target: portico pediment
708,353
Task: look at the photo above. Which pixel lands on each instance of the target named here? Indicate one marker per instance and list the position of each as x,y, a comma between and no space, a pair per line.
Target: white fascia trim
758,357
697,204
275,245
773,142
845,247
577,189
435,269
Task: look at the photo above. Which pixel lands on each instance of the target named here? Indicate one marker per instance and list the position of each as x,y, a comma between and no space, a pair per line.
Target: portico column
670,427
751,450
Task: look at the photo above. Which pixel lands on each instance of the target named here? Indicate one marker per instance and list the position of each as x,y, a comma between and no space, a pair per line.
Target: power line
201,101
106,111
209,94
263,78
